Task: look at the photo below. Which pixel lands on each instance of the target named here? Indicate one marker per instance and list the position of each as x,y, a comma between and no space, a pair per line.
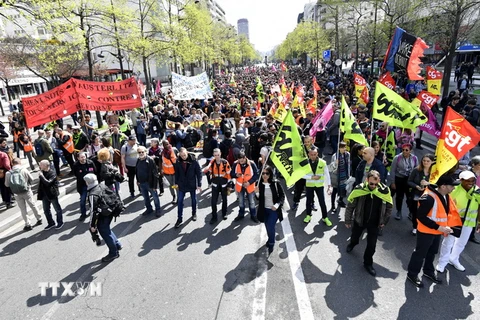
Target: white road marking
303,299
21,223
260,296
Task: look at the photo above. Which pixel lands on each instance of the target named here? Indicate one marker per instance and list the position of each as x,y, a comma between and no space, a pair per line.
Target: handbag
333,170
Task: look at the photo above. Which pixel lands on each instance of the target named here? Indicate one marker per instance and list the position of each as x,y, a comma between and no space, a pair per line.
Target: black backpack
207,148
108,202
225,147
38,148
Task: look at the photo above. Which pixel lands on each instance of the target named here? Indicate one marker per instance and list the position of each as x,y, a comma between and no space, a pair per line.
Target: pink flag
321,119
273,68
158,89
141,87
431,126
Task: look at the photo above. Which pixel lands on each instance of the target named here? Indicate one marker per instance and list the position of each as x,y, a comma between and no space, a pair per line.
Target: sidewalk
10,217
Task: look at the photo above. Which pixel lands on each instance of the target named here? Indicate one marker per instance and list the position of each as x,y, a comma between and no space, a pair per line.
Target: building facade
242,27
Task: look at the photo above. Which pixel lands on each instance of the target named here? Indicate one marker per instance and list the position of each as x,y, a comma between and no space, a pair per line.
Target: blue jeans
142,139
251,203
103,226
83,201
48,214
146,191
181,196
271,218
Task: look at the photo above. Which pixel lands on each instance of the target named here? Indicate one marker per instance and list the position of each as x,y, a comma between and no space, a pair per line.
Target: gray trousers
22,200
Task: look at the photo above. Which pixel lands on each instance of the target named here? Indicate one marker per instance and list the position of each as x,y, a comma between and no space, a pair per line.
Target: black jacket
376,165
153,172
80,170
48,185
190,179
278,197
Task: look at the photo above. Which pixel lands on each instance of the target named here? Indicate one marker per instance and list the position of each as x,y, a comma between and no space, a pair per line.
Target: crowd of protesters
156,148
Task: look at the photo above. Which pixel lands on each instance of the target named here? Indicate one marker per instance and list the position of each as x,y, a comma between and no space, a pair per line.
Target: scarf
381,191
167,152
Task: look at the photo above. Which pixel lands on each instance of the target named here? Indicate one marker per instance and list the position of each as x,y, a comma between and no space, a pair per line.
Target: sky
269,21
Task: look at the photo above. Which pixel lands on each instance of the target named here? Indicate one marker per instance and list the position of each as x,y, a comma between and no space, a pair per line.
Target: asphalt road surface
200,271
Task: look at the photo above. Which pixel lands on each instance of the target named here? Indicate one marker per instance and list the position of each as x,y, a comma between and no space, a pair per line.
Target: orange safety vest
168,164
27,146
223,170
69,146
439,215
244,178
15,136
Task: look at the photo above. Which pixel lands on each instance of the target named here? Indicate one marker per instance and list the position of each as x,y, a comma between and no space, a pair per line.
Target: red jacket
4,161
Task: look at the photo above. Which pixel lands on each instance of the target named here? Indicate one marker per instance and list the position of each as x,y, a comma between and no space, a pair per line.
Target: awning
468,48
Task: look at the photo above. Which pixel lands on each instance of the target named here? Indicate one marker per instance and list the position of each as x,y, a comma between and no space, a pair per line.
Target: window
41,31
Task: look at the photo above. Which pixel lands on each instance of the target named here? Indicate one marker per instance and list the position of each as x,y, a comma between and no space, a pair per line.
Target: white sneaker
457,266
414,232
440,268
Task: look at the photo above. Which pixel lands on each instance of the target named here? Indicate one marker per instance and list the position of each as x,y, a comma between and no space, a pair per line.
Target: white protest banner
187,88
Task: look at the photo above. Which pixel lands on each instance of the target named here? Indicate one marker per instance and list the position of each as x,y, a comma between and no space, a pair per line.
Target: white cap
466,175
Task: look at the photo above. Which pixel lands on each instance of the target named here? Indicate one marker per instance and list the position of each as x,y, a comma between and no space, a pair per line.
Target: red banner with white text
75,95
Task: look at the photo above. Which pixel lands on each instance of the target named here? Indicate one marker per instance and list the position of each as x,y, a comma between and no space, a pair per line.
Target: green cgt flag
349,126
390,107
288,154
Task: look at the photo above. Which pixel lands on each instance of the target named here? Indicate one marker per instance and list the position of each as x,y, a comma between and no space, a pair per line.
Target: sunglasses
265,173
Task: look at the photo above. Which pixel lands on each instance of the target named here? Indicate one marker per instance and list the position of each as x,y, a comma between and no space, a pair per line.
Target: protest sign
187,88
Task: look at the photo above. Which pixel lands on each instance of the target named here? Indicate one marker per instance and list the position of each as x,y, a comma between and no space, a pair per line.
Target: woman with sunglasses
418,181
271,199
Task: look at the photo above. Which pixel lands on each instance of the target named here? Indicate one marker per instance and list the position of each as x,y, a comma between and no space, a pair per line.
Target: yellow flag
280,113
390,107
349,126
288,154
301,106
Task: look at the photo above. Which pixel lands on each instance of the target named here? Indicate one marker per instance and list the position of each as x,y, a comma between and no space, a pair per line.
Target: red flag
364,96
457,138
283,67
316,87
428,98
387,80
258,110
282,81
312,105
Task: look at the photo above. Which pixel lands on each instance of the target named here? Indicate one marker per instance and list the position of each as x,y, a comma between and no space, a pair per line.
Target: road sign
327,55
338,62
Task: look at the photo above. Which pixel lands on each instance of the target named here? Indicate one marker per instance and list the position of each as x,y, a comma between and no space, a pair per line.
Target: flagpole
371,133
385,142
263,166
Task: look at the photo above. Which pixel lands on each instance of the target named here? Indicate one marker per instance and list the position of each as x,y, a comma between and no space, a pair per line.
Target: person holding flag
437,214
467,199
316,179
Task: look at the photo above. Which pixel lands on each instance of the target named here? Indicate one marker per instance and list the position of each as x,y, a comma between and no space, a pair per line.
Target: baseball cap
132,137
447,180
466,175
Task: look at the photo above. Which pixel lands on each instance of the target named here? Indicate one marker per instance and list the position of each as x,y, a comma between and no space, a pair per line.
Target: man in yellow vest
315,182
246,174
436,216
467,198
